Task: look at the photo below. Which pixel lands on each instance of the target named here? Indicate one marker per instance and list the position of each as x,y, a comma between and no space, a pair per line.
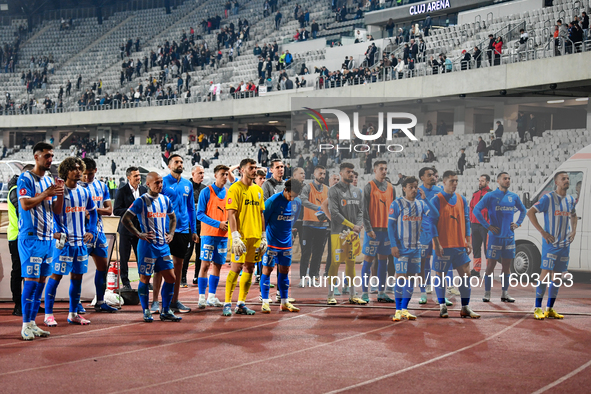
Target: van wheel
527,260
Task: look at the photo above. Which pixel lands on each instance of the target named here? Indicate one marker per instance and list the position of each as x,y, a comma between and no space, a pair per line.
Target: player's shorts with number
555,258
500,248
100,248
214,249
252,254
454,256
36,257
153,258
409,261
379,245
342,251
426,249
277,256
70,259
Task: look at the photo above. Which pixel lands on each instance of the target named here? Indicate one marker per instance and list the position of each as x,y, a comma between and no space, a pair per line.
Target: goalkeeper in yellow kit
248,240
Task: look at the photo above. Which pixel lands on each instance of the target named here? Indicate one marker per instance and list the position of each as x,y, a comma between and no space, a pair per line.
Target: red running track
321,349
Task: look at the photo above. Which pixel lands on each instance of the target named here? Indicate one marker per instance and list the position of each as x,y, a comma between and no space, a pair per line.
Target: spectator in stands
481,149
257,50
496,145
442,128
532,126
522,42
278,17
390,27
315,29
498,50
500,130
585,25
462,161
427,25
490,49
465,62
429,157
285,149
113,167
288,59
477,57
562,35
521,126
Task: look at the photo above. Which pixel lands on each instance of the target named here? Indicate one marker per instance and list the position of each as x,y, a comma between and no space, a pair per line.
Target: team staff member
274,184
378,195
344,201
280,213
211,213
40,198
12,235
180,193
197,173
73,234
478,230
404,228
126,195
501,205
245,206
153,211
315,228
99,248
560,228
451,242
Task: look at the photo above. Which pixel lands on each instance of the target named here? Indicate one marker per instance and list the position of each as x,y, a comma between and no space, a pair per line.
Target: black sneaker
150,287
195,283
17,311
184,284
475,273
126,287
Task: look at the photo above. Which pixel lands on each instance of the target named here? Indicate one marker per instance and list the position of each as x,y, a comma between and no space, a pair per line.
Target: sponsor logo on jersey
249,202
229,200
75,209
97,198
287,218
156,215
561,213
22,192
409,218
344,202
504,208
391,211
36,260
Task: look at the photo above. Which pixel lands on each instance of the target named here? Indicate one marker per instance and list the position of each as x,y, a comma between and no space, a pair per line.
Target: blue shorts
36,257
555,258
427,250
276,256
409,262
380,245
100,248
454,256
214,249
70,259
153,258
500,248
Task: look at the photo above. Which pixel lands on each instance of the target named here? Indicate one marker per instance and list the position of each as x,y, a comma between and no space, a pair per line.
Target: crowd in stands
9,55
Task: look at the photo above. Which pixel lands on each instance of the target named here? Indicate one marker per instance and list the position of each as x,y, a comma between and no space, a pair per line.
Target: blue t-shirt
152,213
557,212
36,223
501,211
279,218
204,200
405,221
180,194
426,235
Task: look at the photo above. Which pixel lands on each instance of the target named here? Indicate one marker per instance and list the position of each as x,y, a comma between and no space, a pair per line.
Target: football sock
398,295
143,291
365,275
50,291
465,291
213,285
487,282
27,299
552,293
202,284
166,295
382,272
506,282
37,300
75,290
245,282
283,287
407,295
265,285
231,281
540,291
100,285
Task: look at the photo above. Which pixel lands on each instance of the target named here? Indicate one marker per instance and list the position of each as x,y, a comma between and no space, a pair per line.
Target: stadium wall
499,10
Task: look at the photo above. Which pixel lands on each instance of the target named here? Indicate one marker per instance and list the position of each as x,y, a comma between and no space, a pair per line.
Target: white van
529,241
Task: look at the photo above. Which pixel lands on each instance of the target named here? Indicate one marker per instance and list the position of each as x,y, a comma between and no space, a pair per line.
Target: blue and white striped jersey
152,212
36,223
72,220
100,193
557,211
405,220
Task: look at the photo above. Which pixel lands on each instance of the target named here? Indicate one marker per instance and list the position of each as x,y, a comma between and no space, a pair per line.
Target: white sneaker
201,304
27,333
429,289
38,332
214,302
302,283
453,291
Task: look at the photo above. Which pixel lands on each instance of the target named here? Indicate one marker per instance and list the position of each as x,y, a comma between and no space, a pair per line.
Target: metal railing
551,48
